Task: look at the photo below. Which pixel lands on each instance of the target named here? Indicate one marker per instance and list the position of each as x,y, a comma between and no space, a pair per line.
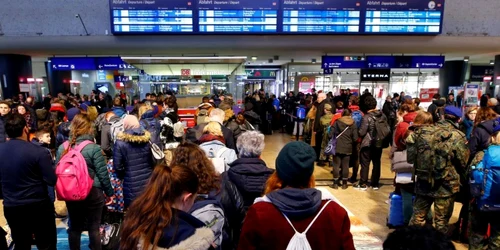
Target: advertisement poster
471,94
427,94
306,84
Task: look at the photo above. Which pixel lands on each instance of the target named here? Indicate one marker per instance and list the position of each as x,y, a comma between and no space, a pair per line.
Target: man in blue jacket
25,171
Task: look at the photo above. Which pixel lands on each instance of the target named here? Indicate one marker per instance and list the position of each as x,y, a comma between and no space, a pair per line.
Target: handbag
332,144
158,154
399,163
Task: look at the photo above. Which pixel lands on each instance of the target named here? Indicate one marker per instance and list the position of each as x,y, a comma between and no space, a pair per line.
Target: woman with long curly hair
207,207
159,217
90,209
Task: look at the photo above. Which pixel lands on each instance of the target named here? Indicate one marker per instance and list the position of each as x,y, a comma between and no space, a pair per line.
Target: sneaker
344,184
334,186
375,188
361,187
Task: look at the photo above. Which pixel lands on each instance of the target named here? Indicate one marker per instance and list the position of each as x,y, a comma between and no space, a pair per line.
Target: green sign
261,74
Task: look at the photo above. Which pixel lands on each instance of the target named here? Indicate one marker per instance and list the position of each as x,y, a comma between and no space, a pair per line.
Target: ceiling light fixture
183,57
492,62
313,60
466,59
270,60
254,58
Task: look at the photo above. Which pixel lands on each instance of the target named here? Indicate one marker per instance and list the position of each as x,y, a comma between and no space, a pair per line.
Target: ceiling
302,49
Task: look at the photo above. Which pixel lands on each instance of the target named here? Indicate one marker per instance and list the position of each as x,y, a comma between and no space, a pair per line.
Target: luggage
395,218
485,181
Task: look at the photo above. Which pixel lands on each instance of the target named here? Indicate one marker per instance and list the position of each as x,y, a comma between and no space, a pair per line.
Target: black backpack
382,136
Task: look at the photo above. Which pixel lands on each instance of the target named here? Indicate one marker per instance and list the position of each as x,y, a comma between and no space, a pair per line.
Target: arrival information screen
422,17
334,16
403,17
248,16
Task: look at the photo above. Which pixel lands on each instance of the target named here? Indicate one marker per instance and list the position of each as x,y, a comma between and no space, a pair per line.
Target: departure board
412,17
172,16
404,17
333,16
243,16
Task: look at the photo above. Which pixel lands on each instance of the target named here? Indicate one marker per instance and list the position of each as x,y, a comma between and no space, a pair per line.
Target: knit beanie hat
130,122
72,112
295,163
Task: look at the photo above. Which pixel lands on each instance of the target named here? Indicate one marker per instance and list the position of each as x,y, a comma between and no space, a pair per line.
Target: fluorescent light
254,58
492,62
466,59
313,60
182,57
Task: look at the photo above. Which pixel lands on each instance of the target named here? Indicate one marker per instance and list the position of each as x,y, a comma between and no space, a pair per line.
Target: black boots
336,184
344,184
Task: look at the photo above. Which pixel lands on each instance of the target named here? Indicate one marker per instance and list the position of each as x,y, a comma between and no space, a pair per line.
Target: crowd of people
207,187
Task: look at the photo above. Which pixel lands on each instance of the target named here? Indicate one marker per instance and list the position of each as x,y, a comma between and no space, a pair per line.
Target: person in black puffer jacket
151,124
133,158
347,133
230,120
244,181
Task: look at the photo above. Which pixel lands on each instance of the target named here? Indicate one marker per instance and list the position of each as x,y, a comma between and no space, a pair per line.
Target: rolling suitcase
395,218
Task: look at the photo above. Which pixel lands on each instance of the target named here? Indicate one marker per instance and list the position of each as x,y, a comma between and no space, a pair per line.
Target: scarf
209,137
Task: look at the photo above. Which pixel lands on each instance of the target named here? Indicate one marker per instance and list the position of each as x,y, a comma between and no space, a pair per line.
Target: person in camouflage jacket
439,154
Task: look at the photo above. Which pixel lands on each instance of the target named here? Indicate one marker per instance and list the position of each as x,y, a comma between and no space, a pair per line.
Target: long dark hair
152,211
191,156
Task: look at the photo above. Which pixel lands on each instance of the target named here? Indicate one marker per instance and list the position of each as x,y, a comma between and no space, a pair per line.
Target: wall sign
375,75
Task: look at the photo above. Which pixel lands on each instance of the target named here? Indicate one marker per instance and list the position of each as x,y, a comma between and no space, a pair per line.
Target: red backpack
73,179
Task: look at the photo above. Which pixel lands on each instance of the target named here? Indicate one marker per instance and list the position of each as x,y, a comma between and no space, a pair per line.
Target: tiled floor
368,206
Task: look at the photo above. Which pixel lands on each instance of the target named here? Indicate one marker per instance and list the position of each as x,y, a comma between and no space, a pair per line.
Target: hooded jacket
96,164
152,125
401,129
433,109
230,123
229,155
3,135
62,133
480,138
320,111
345,141
106,141
265,227
193,135
133,159
185,232
367,129
119,111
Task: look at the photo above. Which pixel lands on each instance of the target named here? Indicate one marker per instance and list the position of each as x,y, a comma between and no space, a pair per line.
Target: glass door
379,90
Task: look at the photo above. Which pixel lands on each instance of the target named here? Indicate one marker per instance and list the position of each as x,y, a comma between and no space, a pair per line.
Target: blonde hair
92,113
143,109
213,128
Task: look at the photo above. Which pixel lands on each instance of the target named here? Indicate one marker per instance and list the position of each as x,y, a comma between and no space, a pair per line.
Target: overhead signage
122,78
333,16
243,16
478,73
72,63
340,62
112,63
403,17
261,74
328,71
277,17
385,62
375,75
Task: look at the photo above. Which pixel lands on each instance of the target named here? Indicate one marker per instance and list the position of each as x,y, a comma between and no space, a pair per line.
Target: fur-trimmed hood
139,136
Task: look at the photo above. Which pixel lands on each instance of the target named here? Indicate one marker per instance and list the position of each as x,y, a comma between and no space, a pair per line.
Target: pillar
13,67
452,74
496,76
58,80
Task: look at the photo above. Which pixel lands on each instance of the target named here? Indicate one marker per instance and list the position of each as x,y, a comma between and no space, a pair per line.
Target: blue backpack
485,180
301,113
357,116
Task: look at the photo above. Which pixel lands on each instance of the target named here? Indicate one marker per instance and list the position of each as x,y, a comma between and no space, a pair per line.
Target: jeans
89,211
36,219
52,193
372,154
407,198
341,161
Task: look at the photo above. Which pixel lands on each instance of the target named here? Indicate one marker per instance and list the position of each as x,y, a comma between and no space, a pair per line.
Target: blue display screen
403,17
277,16
243,16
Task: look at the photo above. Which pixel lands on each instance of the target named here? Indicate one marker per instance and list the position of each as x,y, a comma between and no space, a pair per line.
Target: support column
13,67
496,76
56,79
452,74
